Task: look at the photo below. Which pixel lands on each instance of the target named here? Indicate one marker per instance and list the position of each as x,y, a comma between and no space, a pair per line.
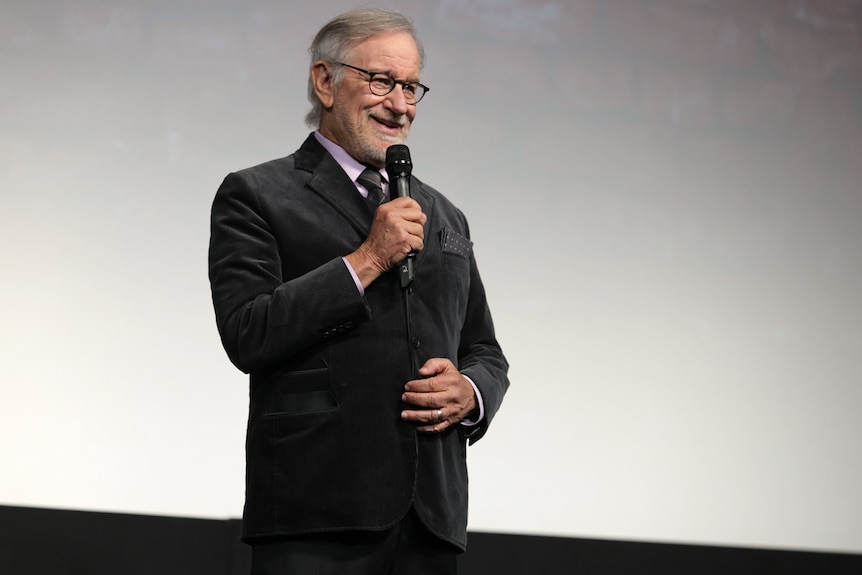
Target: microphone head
398,164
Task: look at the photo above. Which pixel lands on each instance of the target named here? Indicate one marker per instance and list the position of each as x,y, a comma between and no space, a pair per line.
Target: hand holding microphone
397,231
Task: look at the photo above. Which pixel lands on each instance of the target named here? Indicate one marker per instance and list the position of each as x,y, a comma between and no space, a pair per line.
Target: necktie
371,181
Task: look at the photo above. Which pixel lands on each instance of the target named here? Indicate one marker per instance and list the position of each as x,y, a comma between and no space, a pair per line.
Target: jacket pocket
305,391
453,243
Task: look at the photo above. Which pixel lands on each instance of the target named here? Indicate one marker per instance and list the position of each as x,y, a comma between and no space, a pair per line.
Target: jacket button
416,343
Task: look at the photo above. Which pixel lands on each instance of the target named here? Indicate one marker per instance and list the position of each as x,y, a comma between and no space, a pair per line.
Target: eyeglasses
381,84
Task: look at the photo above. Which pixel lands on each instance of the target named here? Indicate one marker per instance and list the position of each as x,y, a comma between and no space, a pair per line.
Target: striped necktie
371,181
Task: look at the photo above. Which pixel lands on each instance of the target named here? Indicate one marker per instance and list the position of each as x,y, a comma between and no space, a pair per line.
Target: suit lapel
330,182
426,202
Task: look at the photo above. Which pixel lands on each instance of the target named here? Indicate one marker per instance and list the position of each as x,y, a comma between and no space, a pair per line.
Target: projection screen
665,202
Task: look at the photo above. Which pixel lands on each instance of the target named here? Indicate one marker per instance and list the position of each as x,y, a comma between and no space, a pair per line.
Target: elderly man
364,388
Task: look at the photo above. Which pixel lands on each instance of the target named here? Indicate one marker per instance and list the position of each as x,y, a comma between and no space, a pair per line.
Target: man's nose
396,100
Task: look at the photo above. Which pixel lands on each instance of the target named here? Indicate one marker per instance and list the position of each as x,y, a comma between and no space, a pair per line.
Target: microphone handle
405,268
402,186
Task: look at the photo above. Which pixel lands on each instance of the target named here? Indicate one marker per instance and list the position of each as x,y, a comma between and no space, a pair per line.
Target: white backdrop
679,301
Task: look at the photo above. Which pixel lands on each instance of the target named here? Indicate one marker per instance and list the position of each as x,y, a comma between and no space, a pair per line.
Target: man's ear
321,79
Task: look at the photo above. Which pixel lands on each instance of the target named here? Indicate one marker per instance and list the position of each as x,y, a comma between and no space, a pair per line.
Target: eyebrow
393,76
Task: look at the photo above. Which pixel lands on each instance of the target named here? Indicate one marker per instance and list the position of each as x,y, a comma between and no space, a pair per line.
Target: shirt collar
348,163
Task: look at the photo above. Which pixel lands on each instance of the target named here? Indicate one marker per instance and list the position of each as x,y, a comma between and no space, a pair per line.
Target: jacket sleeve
262,317
480,356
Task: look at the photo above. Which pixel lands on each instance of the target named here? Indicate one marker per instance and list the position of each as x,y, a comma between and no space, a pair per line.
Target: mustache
399,120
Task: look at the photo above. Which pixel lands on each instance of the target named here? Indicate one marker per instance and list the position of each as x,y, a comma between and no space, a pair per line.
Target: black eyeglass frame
406,87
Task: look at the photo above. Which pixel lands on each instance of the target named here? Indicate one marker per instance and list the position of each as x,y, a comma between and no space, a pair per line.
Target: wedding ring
439,414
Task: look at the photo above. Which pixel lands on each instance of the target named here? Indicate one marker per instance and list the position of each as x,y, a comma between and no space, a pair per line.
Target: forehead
395,53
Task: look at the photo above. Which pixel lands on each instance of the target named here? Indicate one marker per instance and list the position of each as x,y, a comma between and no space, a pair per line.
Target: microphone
398,168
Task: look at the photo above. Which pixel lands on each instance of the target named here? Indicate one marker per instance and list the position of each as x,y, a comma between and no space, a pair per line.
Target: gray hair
335,40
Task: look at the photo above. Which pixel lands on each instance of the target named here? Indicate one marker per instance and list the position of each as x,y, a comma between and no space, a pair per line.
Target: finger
404,231
428,385
414,228
405,208
438,422
402,202
427,399
431,419
436,415
441,382
436,365
415,233
428,416
415,215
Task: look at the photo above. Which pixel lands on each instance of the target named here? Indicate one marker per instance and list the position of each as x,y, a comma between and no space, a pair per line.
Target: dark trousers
405,549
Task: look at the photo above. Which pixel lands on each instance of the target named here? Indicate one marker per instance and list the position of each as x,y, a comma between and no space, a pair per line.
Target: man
364,393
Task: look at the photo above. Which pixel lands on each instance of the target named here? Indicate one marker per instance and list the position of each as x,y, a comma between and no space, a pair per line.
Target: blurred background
666,207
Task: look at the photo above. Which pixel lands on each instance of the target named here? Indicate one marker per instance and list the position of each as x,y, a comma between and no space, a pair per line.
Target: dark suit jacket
326,449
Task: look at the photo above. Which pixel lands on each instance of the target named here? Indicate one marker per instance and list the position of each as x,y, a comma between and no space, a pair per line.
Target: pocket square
455,243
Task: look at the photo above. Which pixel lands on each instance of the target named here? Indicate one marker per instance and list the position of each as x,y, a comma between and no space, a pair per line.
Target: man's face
365,124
